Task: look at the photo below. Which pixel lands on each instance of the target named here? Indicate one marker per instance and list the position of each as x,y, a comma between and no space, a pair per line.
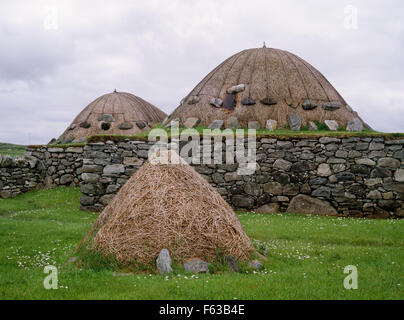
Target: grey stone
295,121
284,145
256,264
90,177
389,163
374,195
307,155
327,140
324,170
271,125
291,190
55,150
163,262
132,161
232,176
345,176
394,186
66,178
240,201
375,146
216,124
114,169
106,199
86,200
248,102
232,263
252,189
269,208
308,205
269,101
74,149
332,106
282,165
233,123
191,123
273,188
255,125
216,102
381,173
399,175
373,182
322,192
318,181
196,266
309,105
126,126
141,124
331,124
355,125
236,89
312,126
366,162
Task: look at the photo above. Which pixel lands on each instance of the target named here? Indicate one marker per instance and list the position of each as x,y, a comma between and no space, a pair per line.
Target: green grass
13,150
307,256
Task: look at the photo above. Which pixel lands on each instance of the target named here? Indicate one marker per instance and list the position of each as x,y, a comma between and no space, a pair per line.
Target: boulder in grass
196,266
256,264
307,205
248,102
232,263
163,262
194,100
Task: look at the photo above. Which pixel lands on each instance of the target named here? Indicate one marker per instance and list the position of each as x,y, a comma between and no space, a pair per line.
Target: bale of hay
168,206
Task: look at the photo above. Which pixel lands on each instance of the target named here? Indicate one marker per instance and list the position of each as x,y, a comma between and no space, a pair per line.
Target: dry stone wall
350,177
42,167
360,177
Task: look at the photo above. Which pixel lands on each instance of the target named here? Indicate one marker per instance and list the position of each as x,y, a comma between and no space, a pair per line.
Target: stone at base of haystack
163,262
196,266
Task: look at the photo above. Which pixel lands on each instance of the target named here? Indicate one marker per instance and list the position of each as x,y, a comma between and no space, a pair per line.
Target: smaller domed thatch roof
114,113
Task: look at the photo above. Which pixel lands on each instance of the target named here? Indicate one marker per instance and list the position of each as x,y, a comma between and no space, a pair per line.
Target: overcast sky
58,56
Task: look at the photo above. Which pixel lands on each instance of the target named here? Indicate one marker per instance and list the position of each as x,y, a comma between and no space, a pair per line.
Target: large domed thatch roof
114,113
261,84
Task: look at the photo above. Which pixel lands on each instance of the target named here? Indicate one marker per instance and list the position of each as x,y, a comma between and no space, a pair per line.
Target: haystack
168,206
261,84
119,113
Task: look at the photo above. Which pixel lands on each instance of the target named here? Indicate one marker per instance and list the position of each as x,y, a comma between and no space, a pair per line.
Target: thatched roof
113,113
167,205
276,84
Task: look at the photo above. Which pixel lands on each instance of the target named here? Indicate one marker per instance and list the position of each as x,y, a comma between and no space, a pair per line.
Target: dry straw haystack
168,206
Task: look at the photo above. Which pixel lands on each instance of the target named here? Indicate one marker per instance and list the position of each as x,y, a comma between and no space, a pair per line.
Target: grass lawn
13,150
306,260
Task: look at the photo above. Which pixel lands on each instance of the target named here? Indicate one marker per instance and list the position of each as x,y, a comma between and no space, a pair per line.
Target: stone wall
42,167
349,177
20,175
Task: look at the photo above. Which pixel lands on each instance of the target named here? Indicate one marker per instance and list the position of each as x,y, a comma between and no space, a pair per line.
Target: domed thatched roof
114,113
261,84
